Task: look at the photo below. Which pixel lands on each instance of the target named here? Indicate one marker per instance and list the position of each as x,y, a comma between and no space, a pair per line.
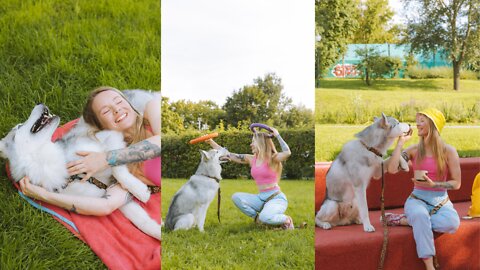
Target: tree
374,66
451,26
374,19
171,121
258,102
335,25
207,111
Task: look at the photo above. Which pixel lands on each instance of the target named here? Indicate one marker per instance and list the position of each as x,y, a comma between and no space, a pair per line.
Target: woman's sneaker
288,225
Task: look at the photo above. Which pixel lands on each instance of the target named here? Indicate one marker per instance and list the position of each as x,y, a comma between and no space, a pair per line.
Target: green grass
350,101
55,52
237,243
329,140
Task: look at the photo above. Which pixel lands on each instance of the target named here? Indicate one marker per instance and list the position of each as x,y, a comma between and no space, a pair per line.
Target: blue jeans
272,212
446,220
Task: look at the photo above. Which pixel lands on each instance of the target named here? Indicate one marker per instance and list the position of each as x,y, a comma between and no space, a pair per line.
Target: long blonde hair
438,149
267,151
91,118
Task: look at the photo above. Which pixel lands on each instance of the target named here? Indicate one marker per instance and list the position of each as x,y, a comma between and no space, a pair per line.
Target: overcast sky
211,48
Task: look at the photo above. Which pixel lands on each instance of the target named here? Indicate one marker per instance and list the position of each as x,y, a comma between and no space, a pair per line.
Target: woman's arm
453,162
93,162
237,158
281,156
115,197
392,164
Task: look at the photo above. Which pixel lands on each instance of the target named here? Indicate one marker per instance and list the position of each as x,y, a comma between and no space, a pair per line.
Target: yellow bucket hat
436,116
474,210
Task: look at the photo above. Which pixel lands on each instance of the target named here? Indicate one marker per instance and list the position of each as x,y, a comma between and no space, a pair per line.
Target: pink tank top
152,168
429,164
263,175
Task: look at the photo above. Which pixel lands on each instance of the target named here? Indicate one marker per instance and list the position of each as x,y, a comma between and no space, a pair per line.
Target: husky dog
31,153
190,204
350,174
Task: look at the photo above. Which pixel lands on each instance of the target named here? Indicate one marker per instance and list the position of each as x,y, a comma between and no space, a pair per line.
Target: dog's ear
384,121
204,155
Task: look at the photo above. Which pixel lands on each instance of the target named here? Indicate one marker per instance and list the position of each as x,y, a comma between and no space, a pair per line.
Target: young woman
270,204
428,207
107,108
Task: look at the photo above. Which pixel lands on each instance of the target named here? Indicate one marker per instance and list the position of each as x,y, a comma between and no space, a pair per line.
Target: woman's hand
404,138
91,163
427,183
32,191
274,131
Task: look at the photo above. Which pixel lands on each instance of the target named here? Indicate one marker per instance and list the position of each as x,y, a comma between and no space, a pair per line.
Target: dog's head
33,133
383,131
210,162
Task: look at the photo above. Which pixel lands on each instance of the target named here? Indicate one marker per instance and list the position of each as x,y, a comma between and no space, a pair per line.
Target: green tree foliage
335,24
374,19
172,122
450,25
263,101
374,66
207,111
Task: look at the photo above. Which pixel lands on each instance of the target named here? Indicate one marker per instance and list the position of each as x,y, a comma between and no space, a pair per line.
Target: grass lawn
55,52
329,139
237,243
350,101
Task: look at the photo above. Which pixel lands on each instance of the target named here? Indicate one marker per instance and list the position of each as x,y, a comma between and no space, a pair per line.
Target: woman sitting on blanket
107,108
428,207
270,204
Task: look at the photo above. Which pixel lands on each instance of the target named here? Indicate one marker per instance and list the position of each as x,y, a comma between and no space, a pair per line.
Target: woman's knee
237,198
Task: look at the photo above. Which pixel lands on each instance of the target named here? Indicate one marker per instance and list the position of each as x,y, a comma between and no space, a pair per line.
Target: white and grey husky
190,204
31,153
350,174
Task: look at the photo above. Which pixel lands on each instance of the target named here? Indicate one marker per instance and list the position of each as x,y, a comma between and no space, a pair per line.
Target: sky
211,48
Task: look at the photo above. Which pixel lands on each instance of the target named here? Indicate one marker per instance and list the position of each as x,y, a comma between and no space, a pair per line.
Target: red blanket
116,241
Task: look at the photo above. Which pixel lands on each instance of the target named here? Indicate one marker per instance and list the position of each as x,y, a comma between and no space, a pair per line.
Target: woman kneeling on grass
270,204
428,207
108,109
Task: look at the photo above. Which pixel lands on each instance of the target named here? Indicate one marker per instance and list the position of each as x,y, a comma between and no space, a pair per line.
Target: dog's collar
217,180
91,180
372,149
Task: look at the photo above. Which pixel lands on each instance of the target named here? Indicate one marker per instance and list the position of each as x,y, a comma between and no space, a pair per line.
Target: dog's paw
324,225
140,192
368,228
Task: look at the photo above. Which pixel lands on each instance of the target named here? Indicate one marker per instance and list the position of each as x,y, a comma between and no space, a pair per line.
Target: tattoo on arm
283,144
240,157
73,209
405,156
444,185
140,151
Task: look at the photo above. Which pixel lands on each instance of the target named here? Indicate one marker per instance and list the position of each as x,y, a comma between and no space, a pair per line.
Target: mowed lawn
237,243
55,52
329,139
350,101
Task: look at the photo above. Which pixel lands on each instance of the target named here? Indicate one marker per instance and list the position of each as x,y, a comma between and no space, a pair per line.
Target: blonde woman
107,108
270,204
428,207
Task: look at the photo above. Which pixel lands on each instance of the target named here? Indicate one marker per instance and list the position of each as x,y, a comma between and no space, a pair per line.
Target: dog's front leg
201,216
131,183
360,194
140,218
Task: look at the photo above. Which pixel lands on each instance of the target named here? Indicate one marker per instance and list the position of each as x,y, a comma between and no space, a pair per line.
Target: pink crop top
264,175
152,168
429,164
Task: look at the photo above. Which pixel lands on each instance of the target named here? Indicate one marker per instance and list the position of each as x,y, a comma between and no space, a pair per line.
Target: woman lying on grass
107,108
270,204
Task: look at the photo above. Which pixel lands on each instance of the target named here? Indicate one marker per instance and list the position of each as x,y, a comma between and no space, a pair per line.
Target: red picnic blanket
115,240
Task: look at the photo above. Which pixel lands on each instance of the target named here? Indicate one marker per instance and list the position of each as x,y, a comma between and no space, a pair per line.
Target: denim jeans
272,212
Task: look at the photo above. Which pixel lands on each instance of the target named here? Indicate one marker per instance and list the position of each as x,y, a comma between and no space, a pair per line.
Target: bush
180,159
439,72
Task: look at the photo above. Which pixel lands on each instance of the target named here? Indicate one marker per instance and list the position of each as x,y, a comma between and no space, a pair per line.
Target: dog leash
218,204
384,224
